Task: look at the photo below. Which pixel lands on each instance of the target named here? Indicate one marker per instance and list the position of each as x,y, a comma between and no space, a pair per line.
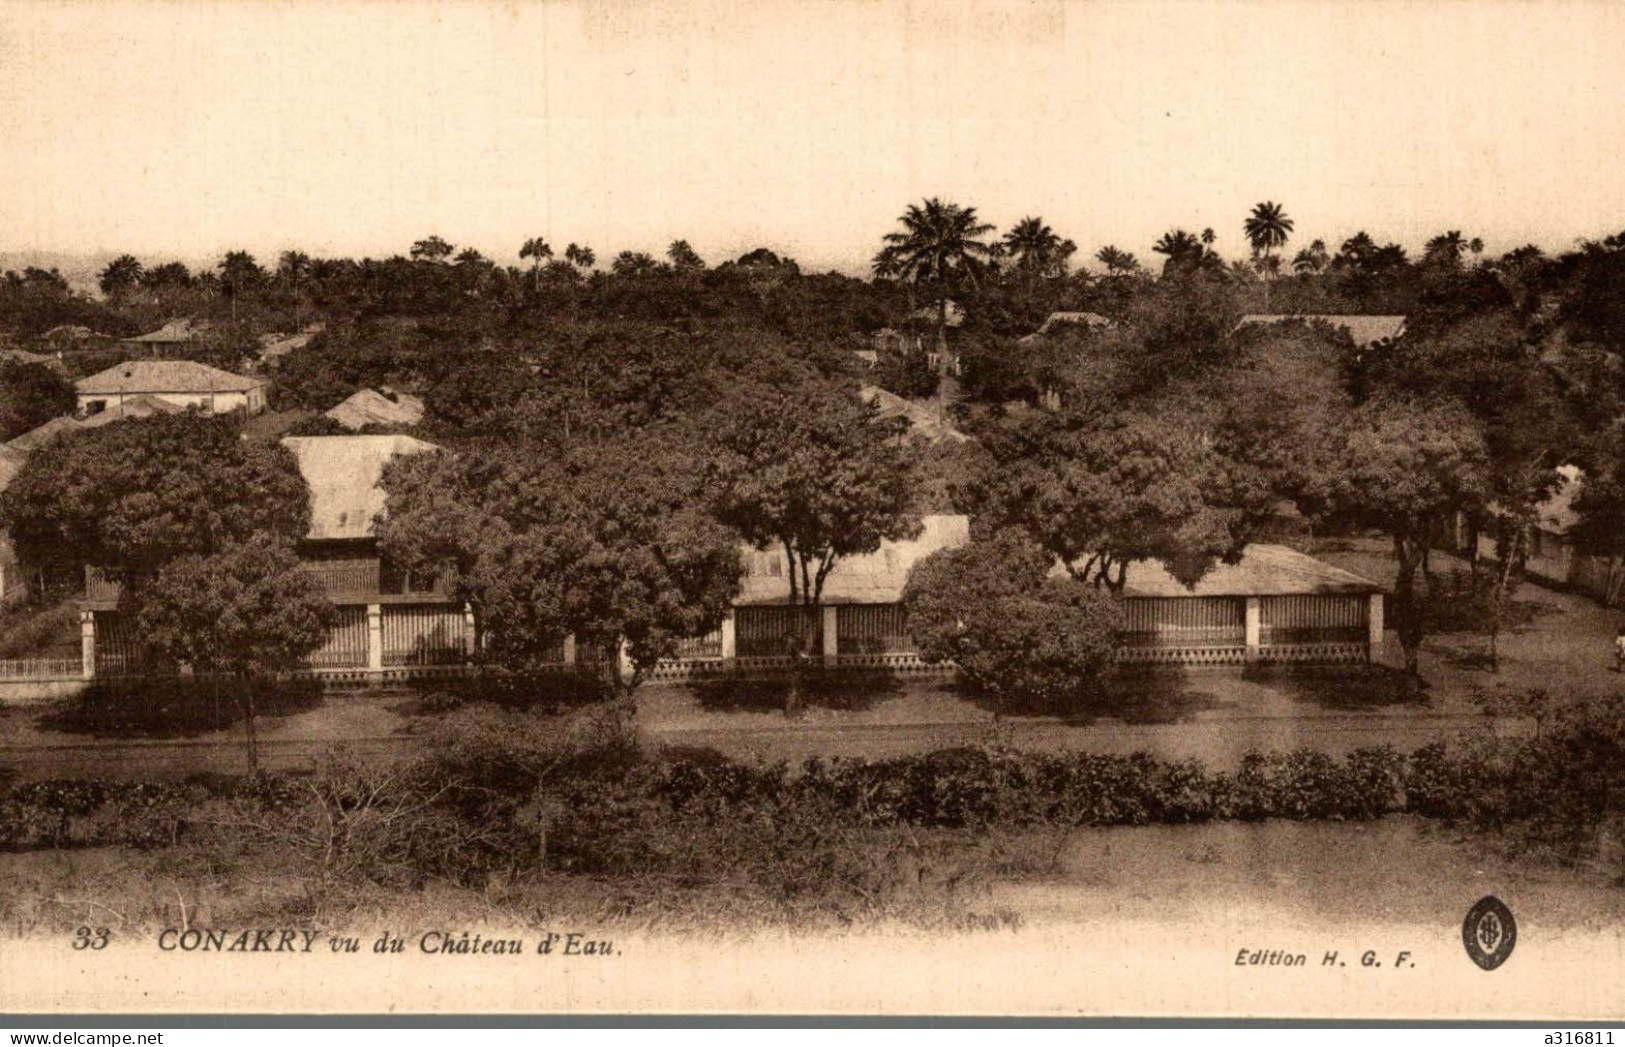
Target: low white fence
17,669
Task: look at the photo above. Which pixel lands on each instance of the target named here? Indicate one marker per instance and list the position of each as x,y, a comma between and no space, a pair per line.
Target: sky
183,129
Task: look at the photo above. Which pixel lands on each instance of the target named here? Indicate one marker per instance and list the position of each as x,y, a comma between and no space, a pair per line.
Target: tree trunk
250,735
1407,607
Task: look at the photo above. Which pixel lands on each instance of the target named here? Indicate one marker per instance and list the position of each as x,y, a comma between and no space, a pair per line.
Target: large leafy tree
1100,492
1013,631
942,248
606,541
244,610
812,470
134,495
31,395
1405,467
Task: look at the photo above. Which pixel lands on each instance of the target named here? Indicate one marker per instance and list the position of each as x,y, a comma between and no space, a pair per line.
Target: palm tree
885,265
633,263
431,249
238,273
1445,249
580,257
1358,248
1183,251
537,251
1267,229
1117,260
941,246
121,274
1208,236
682,256
1311,259
291,269
1037,251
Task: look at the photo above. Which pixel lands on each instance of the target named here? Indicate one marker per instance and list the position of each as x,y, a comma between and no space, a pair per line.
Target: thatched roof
343,474
876,578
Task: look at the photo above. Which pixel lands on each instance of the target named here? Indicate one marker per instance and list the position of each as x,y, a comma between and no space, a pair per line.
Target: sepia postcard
1026,508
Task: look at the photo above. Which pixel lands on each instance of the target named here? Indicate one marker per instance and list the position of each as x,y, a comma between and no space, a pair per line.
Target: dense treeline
1167,430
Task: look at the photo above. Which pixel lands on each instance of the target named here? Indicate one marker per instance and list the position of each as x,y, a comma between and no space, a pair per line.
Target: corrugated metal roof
371,407
1364,330
1062,319
37,437
1264,570
182,330
142,405
343,474
878,577
164,376
922,420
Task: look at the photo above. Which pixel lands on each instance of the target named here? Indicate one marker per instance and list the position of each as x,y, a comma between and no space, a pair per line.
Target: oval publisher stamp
1489,932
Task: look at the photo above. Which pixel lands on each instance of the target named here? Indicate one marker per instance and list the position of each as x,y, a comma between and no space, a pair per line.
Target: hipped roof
343,473
1264,570
164,376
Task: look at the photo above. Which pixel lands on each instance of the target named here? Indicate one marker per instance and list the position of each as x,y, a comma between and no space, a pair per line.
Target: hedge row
960,788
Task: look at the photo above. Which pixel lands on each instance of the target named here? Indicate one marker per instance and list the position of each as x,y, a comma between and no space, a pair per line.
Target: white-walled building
184,383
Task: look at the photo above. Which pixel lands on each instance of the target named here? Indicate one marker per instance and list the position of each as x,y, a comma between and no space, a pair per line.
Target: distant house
1366,331
176,334
388,619
273,347
1549,551
384,406
23,356
75,336
131,407
185,383
1056,321
924,422
40,435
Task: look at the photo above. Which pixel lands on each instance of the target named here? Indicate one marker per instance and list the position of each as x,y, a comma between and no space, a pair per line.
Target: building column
87,644
832,639
375,637
1254,627
623,661
1375,626
471,634
570,649
730,638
